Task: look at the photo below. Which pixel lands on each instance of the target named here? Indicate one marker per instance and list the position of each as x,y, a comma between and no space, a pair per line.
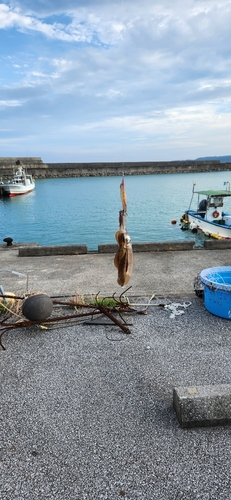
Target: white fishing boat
21,183
209,216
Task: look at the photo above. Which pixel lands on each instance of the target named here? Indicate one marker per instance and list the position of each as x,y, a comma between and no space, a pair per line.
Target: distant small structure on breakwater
40,170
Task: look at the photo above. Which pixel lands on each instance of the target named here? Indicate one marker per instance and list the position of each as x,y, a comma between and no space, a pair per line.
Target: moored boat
21,183
209,216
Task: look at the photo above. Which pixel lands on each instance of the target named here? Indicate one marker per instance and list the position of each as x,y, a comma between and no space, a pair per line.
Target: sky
115,80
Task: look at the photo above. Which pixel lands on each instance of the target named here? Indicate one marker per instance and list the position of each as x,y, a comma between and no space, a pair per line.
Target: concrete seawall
34,250
39,169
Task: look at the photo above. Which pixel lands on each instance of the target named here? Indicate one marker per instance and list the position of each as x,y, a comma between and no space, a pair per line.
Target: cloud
153,72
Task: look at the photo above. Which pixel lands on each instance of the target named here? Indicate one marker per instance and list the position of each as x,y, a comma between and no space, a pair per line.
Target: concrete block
214,244
108,248
203,406
163,246
52,250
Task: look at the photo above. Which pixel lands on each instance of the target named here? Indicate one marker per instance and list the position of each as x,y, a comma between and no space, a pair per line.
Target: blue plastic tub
217,290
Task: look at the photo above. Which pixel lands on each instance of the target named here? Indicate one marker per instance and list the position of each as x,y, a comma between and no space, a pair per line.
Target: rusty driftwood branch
95,309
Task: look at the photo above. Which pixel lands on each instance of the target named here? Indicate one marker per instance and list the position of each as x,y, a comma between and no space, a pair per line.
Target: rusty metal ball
37,307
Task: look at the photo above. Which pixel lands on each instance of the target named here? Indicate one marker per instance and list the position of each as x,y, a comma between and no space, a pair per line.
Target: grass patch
106,302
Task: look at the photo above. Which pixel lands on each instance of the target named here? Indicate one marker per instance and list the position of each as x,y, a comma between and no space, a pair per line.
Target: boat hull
209,228
12,190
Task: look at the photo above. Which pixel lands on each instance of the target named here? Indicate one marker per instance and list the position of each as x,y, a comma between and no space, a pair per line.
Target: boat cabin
210,205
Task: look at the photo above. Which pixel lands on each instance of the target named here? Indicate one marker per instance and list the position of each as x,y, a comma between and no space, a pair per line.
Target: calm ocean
85,210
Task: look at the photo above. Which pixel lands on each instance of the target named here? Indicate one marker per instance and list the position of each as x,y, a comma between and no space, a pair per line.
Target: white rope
176,308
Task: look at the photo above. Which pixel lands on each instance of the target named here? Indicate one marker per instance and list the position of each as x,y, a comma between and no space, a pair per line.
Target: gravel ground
87,411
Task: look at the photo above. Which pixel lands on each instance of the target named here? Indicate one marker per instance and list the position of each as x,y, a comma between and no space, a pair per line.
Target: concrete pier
87,410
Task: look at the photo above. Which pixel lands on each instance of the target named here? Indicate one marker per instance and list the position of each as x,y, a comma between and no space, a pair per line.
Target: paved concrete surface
87,411
160,273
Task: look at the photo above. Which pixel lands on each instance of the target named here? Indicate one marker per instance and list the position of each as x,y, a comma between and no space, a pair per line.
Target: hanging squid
124,257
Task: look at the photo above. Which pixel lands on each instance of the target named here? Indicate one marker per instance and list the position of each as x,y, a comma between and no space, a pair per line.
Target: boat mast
192,196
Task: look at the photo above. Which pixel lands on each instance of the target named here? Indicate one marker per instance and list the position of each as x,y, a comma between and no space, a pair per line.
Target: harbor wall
39,169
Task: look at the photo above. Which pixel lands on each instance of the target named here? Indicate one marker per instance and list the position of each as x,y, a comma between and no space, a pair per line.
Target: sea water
85,210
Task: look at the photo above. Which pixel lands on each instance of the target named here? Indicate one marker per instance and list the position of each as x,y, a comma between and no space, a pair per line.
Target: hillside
222,159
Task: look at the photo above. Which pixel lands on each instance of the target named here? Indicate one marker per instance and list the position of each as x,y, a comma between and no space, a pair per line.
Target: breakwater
41,170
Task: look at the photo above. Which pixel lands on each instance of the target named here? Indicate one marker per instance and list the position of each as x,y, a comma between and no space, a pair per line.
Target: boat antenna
192,195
